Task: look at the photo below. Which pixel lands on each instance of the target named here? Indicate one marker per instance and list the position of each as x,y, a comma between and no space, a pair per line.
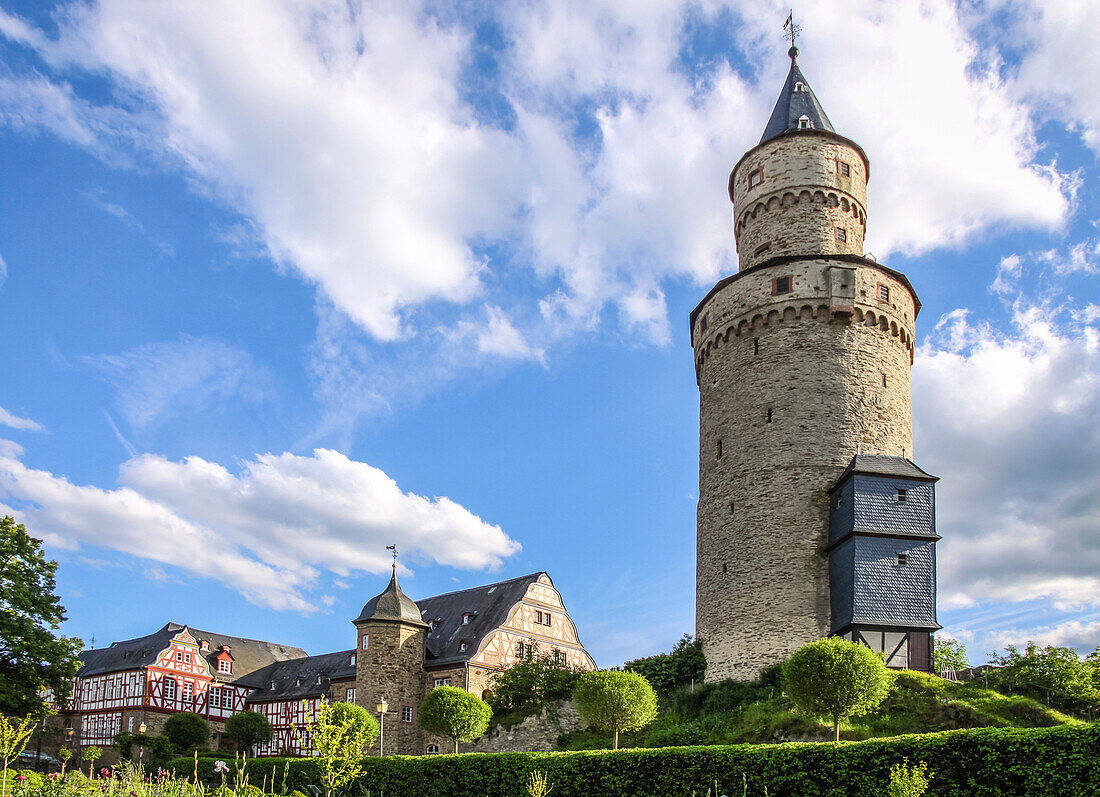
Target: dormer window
903,496
467,617
204,645
318,677
431,626
462,646
805,123
800,86
903,559
225,666
351,660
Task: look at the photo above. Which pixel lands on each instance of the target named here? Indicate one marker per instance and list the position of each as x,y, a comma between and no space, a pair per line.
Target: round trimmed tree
615,701
187,731
454,714
248,729
836,678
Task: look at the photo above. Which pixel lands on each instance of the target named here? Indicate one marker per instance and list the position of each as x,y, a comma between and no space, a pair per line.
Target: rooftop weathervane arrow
394,549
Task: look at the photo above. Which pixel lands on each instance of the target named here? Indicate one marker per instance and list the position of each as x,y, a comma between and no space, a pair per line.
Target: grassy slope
729,713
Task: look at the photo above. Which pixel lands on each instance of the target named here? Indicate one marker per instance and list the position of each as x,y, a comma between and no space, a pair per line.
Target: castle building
403,649
812,518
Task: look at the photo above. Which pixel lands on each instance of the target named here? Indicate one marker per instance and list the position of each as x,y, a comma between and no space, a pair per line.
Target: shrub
530,684
837,678
340,734
906,781
615,701
187,731
667,671
248,729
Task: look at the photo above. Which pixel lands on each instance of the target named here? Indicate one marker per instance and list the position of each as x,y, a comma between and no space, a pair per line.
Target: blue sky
285,282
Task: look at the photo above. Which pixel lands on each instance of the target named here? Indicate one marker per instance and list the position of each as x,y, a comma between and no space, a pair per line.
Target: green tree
91,755
248,729
665,672
1041,672
531,683
13,738
340,734
32,658
836,678
949,654
615,701
455,714
187,731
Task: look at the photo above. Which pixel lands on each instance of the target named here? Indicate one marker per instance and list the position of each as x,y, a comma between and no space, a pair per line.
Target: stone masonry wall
801,200
538,733
789,386
393,667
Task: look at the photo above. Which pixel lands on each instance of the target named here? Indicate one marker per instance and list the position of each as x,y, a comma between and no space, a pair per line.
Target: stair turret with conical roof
390,662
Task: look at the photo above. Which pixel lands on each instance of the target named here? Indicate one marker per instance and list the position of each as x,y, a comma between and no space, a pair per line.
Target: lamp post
142,728
382,707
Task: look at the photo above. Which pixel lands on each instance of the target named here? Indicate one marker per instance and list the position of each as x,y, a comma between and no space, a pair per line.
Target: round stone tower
802,359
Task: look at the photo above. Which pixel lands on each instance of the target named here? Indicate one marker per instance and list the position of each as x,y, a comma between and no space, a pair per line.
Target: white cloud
268,531
358,159
1059,71
1008,420
161,380
13,421
1084,636
3,271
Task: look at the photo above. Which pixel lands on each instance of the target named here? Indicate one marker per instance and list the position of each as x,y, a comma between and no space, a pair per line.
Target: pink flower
20,777
54,776
104,772
220,766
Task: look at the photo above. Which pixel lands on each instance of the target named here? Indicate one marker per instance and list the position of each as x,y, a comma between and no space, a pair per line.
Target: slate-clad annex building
812,520
403,649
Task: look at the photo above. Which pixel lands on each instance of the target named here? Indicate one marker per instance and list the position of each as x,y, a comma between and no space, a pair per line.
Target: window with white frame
841,234
883,293
521,650
188,690
350,698
406,713
462,645
130,725
442,681
169,688
215,697
366,642
432,749
805,123
179,655
466,618
225,665
351,660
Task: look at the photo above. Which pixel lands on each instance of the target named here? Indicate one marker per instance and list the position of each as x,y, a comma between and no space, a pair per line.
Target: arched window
432,749
800,86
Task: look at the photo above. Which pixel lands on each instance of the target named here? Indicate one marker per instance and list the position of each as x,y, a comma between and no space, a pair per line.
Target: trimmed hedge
985,762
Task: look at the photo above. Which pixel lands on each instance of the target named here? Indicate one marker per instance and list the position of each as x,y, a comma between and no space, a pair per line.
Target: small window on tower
769,414
725,567
731,507
903,559
406,713
843,169
903,496
718,451
762,249
756,177
366,642
841,234
756,345
781,285
805,123
884,293
703,323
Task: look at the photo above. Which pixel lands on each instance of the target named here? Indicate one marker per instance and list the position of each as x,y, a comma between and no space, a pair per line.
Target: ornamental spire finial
393,549
791,32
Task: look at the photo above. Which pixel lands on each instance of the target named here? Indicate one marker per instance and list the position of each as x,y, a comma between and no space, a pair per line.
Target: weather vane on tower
792,30
394,549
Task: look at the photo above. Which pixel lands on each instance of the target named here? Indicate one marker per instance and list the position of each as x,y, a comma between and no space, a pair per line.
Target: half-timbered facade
462,638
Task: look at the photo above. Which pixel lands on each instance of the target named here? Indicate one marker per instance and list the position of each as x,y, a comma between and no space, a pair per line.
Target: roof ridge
483,586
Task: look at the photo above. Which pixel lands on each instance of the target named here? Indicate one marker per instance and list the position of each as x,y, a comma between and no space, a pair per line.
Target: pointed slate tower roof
796,100
392,605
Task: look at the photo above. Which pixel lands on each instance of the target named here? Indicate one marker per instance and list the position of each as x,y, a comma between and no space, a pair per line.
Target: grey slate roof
488,608
391,605
132,654
881,465
295,679
792,105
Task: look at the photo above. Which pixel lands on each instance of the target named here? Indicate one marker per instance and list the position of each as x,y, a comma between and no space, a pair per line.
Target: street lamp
382,707
142,728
